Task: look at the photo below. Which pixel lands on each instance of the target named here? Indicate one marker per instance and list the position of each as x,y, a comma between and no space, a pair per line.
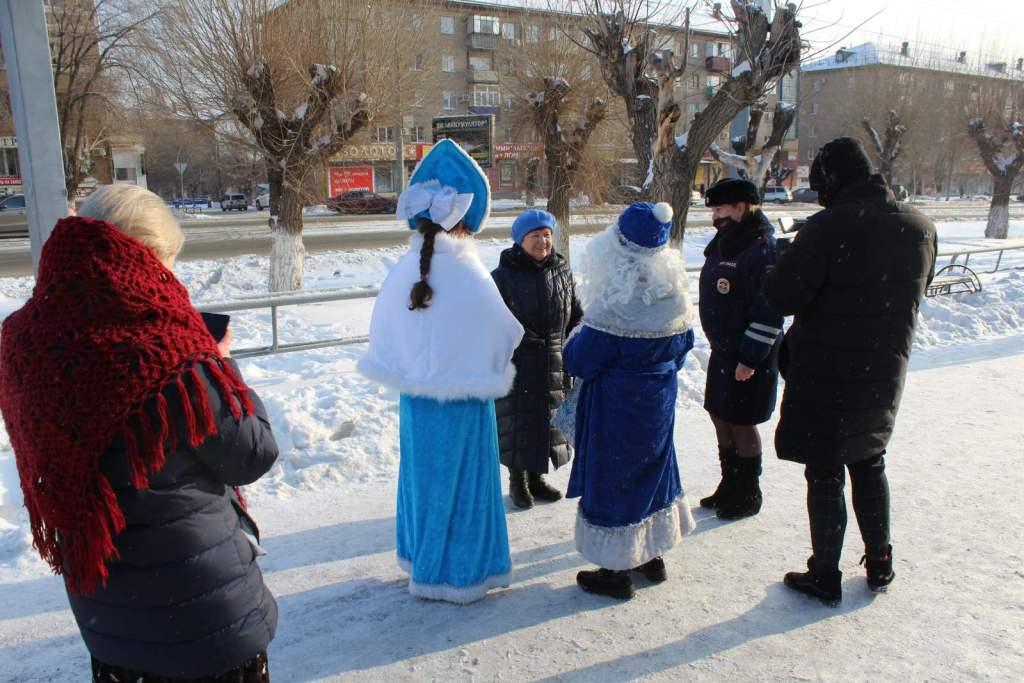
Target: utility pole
181,166
34,106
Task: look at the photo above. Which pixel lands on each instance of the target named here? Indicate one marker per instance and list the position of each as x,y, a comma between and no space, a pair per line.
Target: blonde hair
138,213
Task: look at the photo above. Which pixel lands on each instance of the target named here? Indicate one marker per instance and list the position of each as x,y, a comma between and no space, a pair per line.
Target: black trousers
826,508
253,671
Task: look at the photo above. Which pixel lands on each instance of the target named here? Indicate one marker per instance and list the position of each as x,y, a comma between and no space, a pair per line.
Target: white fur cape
460,346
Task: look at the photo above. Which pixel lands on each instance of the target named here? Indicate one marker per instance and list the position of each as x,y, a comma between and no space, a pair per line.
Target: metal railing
277,301
967,251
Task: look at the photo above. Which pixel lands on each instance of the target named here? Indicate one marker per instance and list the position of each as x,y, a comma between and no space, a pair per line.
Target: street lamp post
181,166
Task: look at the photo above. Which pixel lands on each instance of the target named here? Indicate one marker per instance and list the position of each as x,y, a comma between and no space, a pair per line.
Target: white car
262,198
779,195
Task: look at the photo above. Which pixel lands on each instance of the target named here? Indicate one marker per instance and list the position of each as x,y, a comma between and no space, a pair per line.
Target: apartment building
935,91
468,68
109,157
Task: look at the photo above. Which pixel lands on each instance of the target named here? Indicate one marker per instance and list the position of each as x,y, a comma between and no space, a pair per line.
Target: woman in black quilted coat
538,288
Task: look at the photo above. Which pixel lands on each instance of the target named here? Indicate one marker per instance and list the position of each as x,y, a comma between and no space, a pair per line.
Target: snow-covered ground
956,611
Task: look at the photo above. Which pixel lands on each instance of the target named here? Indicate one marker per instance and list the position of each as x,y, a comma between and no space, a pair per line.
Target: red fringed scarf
106,329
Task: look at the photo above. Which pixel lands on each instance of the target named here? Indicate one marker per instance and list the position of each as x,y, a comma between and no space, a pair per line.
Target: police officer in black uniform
745,337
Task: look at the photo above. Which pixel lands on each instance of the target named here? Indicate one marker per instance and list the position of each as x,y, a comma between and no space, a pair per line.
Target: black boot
727,460
540,489
879,570
614,584
518,489
745,499
653,571
826,585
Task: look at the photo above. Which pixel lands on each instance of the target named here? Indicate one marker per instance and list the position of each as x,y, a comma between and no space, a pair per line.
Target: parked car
12,214
696,198
1020,198
805,195
360,202
779,195
233,201
623,194
263,200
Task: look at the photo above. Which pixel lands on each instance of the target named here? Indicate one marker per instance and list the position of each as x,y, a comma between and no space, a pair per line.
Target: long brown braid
421,292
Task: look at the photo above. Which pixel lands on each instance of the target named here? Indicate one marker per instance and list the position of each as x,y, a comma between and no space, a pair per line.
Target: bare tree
766,51
566,107
564,151
92,44
302,78
1001,146
620,34
755,154
888,151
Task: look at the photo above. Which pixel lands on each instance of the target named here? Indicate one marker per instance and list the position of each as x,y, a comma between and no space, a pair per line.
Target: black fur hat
838,164
732,191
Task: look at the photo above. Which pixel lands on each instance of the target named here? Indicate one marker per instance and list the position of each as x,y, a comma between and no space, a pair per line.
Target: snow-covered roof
870,54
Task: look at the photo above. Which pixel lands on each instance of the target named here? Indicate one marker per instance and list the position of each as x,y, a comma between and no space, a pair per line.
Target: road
226,235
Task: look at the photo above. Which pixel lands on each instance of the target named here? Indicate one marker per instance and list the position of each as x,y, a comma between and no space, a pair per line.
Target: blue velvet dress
451,534
632,507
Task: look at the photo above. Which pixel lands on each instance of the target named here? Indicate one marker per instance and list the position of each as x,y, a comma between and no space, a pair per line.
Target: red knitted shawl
107,328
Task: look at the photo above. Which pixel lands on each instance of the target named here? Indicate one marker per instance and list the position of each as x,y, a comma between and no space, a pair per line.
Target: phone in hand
217,324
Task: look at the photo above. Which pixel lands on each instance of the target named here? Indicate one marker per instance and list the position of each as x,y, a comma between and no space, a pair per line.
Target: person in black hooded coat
853,279
745,336
538,288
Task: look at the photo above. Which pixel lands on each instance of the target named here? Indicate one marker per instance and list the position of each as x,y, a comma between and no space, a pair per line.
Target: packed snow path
955,611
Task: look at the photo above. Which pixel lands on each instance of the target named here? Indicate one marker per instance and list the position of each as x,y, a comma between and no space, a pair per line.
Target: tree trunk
559,193
287,252
674,172
999,212
643,131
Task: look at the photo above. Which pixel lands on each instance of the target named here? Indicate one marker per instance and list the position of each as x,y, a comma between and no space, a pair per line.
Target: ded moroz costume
449,353
635,335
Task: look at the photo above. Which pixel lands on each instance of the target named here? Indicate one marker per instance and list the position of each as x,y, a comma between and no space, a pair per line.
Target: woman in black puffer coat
538,288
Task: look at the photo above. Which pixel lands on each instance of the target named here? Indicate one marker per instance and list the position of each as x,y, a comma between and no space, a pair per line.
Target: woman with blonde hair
131,427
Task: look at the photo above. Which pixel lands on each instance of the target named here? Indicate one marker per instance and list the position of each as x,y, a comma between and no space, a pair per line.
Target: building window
450,100
417,63
508,67
532,33
692,109
814,109
448,63
383,134
811,154
480,63
818,83
508,31
903,78
448,25
486,96
417,98
851,81
510,135
126,175
552,33
416,21
508,174
812,131
695,50
9,162
488,25
950,86
417,134
695,81
510,103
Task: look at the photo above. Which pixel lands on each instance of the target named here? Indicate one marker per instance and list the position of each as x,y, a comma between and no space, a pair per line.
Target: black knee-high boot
519,489
727,461
745,497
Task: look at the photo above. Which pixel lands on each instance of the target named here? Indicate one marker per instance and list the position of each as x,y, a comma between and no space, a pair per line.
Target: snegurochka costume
450,361
635,335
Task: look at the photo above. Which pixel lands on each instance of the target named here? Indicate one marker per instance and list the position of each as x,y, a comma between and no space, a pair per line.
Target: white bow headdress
445,204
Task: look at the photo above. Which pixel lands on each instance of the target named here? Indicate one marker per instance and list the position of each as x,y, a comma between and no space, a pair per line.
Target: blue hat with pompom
646,225
446,187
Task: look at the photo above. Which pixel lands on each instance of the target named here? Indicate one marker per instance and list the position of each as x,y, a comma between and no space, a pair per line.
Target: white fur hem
626,547
483,388
459,595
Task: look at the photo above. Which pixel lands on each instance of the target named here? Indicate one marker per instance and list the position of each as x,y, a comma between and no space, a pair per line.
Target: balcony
717,64
482,76
481,41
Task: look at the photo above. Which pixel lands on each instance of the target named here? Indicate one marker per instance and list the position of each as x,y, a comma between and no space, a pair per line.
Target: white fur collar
446,244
